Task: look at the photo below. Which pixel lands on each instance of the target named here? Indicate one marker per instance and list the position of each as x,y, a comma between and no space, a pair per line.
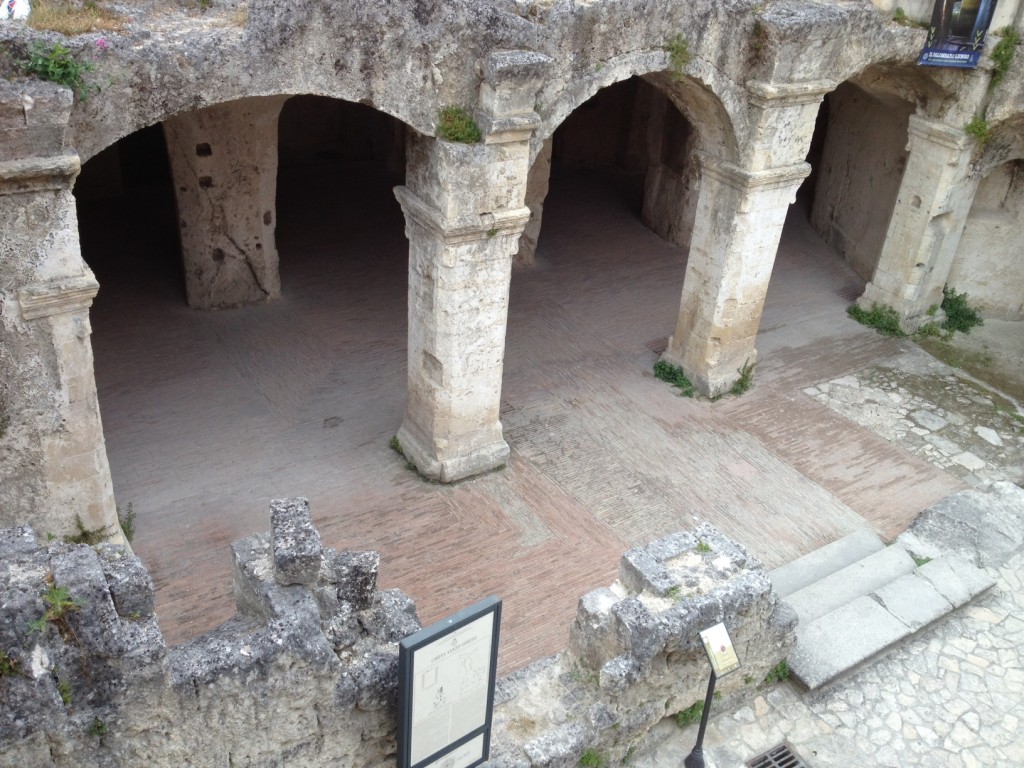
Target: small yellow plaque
718,646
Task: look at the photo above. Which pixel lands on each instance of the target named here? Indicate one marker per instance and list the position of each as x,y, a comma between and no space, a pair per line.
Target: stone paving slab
838,641
956,579
913,600
853,581
814,566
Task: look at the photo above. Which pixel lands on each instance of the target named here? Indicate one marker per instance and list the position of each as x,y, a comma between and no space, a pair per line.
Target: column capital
464,229
508,94
744,180
38,174
54,297
939,133
767,95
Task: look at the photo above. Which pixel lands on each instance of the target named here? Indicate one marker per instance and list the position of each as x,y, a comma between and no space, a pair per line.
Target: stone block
822,562
860,578
297,547
839,641
17,541
639,571
376,678
131,586
913,600
355,574
592,636
558,748
94,622
955,579
391,618
637,630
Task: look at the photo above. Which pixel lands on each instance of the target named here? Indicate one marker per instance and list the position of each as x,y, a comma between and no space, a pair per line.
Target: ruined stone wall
859,173
306,673
988,265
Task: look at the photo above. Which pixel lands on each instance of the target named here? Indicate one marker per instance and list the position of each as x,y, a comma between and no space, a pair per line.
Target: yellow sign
718,646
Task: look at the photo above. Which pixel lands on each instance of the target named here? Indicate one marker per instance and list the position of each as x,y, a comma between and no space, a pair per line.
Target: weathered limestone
464,209
224,163
53,462
740,214
924,231
987,265
537,183
307,674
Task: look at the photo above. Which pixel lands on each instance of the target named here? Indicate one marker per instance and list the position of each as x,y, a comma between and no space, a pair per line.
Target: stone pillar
740,215
53,462
924,231
465,210
224,163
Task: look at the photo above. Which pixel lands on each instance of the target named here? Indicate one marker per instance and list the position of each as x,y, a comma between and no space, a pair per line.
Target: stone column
465,210
740,215
924,231
54,473
224,163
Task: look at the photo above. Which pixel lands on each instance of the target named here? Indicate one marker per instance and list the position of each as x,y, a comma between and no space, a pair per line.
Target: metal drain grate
781,756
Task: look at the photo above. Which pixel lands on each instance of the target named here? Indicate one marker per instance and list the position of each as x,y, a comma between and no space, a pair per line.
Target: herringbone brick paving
209,415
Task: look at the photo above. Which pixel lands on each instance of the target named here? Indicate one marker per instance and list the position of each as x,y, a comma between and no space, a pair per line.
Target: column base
709,380
452,468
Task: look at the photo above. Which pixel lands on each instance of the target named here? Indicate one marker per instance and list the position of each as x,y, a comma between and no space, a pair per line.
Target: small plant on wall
678,55
457,124
58,64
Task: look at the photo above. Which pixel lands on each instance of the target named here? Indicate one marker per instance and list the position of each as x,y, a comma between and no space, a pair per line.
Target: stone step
820,563
854,633
855,580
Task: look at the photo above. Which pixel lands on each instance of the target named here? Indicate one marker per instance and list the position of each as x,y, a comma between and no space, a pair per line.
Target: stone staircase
858,597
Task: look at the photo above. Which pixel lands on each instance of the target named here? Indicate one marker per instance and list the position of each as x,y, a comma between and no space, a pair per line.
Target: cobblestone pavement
952,697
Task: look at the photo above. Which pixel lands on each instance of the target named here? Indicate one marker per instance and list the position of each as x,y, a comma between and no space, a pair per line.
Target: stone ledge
38,174
65,294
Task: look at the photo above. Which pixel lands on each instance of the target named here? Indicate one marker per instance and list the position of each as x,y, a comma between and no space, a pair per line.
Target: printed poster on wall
956,35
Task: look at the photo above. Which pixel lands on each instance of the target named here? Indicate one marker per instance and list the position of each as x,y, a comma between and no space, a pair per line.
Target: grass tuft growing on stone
457,124
70,20
777,674
591,758
883,319
979,130
690,715
678,55
674,375
746,379
1002,55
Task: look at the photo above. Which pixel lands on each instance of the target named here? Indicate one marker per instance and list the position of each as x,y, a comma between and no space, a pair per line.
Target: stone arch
858,155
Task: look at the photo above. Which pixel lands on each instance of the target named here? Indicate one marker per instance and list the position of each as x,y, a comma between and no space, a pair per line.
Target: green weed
883,319
919,561
87,536
127,521
674,375
8,664
690,715
591,758
64,689
777,674
742,384
960,316
59,605
97,727
703,547
678,55
1002,55
58,64
457,124
979,130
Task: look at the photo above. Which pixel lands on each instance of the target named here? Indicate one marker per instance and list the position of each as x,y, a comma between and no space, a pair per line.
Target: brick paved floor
208,415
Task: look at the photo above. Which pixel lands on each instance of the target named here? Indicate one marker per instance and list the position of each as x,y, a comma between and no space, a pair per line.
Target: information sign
721,653
446,676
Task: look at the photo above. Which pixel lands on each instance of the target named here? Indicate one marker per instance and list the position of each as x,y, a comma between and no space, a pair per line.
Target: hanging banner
957,33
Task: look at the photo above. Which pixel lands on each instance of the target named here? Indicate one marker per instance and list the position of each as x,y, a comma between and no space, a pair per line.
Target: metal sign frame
449,728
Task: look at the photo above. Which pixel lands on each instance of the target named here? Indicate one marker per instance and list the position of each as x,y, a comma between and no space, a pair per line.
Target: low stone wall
306,673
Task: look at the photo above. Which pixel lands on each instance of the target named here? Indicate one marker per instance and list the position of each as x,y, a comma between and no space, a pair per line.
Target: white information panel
720,651
446,689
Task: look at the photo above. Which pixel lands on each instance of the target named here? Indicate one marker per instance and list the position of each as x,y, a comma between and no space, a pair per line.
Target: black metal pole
696,757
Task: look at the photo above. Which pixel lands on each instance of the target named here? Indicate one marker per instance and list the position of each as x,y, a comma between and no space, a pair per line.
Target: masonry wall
858,174
306,672
989,264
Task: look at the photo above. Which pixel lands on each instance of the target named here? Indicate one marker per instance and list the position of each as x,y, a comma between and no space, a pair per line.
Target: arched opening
988,264
208,414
